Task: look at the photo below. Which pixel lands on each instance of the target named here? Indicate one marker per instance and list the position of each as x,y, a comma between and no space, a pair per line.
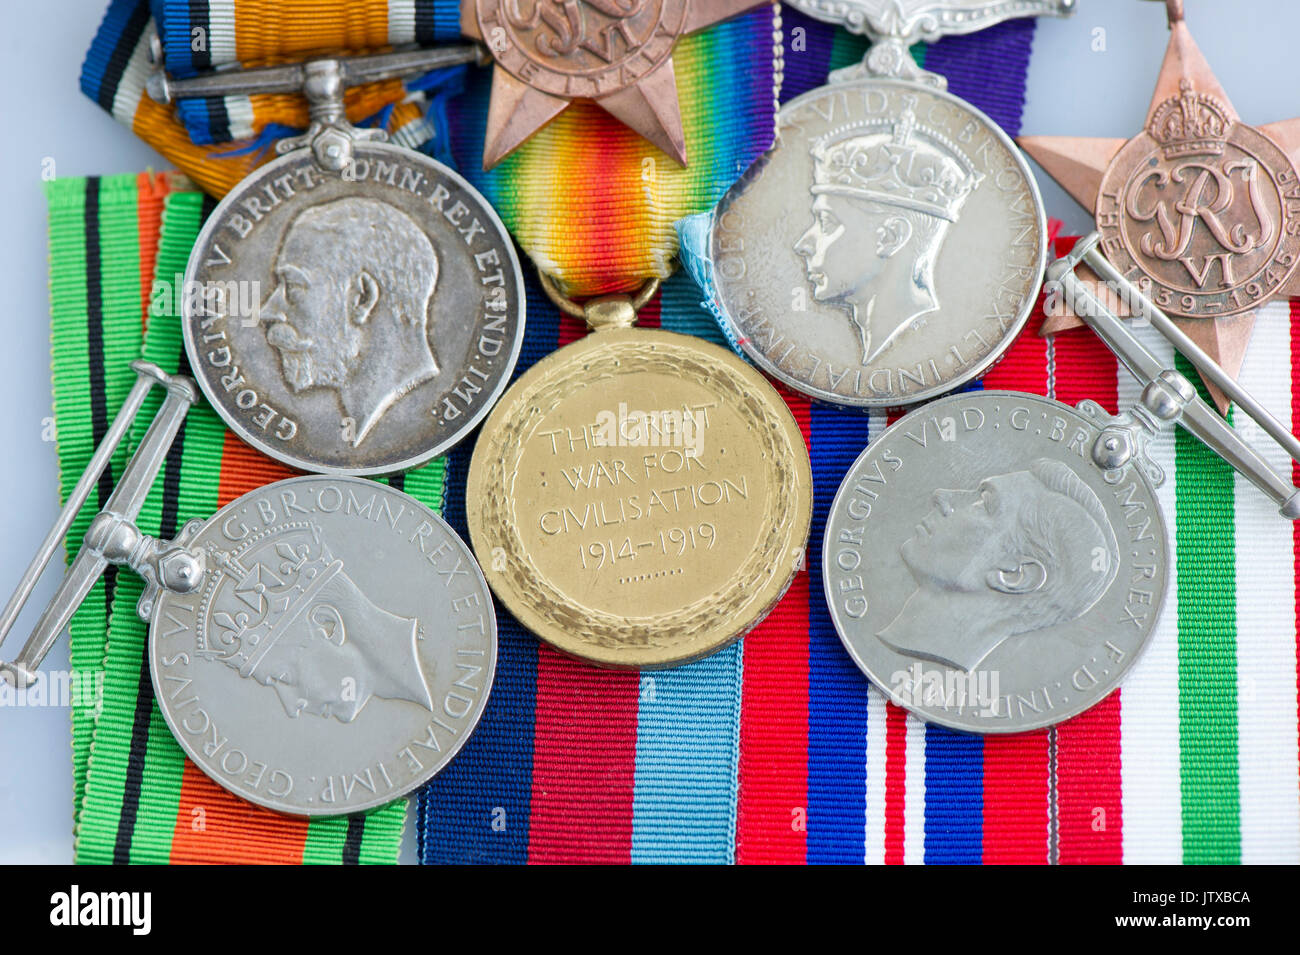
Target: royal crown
266,599
897,162
1190,124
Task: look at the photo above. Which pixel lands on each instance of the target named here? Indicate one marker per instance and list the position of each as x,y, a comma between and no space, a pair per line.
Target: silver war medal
996,561
321,645
891,245
357,307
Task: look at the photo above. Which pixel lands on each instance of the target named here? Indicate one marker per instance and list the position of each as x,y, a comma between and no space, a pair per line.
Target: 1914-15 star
1200,209
617,53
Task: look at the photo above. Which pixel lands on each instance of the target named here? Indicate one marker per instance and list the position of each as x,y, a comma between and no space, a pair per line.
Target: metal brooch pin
112,537
1176,399
315,626
997,561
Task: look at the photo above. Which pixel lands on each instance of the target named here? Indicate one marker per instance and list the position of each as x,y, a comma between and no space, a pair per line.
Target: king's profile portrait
350,311
885,194
1020,552
288,616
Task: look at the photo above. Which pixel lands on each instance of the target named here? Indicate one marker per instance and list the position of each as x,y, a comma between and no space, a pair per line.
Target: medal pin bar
322,82
870,548
229,593
1169,397
112,537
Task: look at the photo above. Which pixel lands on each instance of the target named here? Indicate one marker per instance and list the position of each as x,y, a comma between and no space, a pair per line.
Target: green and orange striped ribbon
139,799
103,237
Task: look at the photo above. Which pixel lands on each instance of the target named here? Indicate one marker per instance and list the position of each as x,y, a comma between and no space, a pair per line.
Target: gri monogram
1208,193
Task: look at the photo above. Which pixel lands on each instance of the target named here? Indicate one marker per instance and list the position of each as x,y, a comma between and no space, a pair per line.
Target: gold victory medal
639,498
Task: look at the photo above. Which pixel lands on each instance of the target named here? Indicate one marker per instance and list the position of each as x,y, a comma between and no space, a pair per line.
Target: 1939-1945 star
1200,208
618,53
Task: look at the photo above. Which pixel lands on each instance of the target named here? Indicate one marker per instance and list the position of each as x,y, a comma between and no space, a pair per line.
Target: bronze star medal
1201,210
618,53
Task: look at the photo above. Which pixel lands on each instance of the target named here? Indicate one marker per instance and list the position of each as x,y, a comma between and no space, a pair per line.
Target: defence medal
352,307
639,498
1199,209
996,561
617,53
891,245
319,646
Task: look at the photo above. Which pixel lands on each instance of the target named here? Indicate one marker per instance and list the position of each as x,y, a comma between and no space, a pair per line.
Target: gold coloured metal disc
640,498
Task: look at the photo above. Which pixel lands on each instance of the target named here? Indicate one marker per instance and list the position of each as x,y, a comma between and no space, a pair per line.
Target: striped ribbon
103,237
778,750
587,197
203,36
141,800
572,763
117,67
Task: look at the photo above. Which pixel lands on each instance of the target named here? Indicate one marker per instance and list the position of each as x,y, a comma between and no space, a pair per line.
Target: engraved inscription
1205,207
640,498
390,316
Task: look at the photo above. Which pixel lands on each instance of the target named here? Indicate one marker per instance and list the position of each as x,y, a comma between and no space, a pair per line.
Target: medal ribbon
777,749
103,239
595,204
571,762
586,197
757,753
200,36
1180,765
142,801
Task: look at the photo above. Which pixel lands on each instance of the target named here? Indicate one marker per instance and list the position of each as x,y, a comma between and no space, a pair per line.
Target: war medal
321,645
618,53
639,498
357,307
996,561
1199,208
891,245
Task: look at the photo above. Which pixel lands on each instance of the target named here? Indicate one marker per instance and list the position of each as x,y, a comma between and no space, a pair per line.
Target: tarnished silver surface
984,571
887,250
338,653
359,321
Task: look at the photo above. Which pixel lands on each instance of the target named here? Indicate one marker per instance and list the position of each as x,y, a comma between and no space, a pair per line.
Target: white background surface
1073,90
